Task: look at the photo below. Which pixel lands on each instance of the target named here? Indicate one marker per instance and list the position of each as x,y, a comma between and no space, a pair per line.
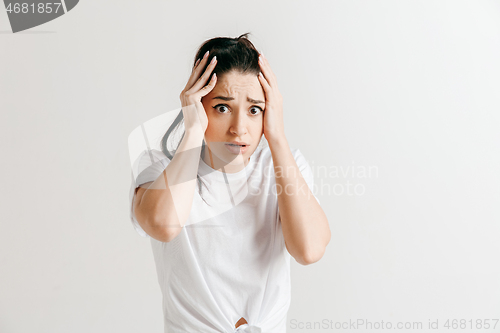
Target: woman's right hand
195,116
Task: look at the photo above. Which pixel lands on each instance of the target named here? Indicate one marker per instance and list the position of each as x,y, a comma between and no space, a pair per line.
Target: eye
258,109
219,105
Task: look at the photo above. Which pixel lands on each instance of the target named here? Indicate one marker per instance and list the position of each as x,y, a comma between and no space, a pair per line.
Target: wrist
193,138
279,141
194,132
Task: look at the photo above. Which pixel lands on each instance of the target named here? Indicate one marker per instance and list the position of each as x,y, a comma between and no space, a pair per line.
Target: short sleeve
147,168
305,170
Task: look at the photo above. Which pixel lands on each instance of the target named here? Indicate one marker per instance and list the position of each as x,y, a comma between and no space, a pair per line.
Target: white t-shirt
230,260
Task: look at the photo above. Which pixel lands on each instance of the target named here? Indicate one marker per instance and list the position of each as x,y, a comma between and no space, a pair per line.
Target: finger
204,78
266,70
208,88
265,85
200,62
195,74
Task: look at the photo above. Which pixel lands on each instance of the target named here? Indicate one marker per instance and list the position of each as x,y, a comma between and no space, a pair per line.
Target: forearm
303,222
169,198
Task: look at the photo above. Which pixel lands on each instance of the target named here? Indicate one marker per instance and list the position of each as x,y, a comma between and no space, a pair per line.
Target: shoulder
149,164
149,157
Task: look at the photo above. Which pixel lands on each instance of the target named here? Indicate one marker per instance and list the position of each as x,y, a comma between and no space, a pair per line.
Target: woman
222,250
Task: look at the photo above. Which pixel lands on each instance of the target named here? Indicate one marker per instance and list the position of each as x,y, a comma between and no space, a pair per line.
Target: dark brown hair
233,54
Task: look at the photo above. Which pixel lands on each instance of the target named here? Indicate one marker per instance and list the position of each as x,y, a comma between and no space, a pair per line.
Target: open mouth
236,149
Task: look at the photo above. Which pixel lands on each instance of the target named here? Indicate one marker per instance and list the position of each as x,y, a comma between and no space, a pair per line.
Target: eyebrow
251,100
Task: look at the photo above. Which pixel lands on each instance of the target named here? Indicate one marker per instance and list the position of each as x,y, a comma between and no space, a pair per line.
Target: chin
222,153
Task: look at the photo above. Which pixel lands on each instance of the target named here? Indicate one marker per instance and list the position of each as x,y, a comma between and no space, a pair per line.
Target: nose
238,124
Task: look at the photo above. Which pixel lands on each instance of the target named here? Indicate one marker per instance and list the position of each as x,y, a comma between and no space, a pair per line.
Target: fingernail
213,59
206,54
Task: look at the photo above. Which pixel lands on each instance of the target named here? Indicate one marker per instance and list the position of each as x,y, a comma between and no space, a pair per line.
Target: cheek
260,122
258,127
216,127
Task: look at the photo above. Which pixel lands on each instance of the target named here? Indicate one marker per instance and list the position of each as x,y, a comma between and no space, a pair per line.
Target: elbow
159,232
313,255
163,235
315,251
164,230
311,258
307,256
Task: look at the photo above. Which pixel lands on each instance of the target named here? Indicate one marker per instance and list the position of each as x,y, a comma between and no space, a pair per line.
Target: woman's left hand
273,116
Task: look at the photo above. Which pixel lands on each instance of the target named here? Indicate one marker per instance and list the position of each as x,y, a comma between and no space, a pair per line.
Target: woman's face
234,110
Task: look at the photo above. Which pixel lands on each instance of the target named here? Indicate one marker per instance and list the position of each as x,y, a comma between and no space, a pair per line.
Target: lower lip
236,149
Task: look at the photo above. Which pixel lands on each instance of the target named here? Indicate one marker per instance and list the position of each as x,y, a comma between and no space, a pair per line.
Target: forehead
234,83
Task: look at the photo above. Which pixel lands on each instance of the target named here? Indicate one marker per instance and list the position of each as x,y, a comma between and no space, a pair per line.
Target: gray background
410,87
